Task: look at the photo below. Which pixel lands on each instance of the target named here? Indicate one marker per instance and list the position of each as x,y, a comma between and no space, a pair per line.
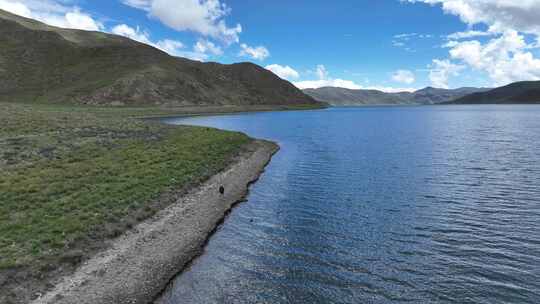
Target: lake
435,204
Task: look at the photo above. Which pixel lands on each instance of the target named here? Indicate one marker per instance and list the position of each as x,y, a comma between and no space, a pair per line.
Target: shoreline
156,112
140,263
218,111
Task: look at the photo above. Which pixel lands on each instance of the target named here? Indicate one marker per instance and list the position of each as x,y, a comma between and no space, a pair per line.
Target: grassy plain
72,177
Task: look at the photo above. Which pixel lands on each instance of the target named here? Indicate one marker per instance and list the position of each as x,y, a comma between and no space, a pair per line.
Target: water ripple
435,205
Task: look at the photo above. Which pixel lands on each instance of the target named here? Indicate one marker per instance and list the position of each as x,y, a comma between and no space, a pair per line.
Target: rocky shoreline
139,264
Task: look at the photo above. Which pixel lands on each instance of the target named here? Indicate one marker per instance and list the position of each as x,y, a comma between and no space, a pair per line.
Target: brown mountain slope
524,92
40,63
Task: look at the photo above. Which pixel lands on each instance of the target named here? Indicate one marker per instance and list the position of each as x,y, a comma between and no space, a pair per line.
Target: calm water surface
381,205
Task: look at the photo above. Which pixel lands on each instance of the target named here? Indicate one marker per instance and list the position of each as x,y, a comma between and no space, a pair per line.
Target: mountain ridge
45,64
426,96
523,92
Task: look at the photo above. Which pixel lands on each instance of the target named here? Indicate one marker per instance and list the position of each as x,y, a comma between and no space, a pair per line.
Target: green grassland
71,177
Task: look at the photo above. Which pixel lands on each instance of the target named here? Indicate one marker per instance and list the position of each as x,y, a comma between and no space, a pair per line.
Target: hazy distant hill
340,96
40,63
431,95
526,92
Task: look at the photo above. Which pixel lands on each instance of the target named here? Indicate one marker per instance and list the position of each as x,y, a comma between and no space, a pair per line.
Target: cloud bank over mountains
323,79
507,51
508,55
53,13
205,18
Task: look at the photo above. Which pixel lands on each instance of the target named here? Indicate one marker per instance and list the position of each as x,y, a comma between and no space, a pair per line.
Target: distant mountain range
427,96
525,92
41,63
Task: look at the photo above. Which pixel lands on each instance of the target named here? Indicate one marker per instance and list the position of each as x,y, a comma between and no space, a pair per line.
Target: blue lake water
380,205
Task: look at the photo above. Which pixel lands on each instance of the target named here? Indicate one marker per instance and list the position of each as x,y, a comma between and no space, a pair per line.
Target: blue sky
385,44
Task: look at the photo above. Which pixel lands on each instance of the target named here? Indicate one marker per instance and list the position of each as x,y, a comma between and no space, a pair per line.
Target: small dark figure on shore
221,190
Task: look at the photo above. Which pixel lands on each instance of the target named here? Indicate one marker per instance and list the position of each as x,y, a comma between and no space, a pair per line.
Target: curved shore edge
140,264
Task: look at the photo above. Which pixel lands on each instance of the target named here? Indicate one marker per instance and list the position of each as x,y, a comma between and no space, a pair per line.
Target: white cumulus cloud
206,17
505,59
441,71
140,4
53,13
16,8
285,72
321,72
205,46
65,14
257,53
468,34
315,84
169,46
500,15
506,56
131,33
403,76
324,80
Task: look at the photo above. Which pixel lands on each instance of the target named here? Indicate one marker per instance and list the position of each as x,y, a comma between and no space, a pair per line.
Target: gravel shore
140,263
